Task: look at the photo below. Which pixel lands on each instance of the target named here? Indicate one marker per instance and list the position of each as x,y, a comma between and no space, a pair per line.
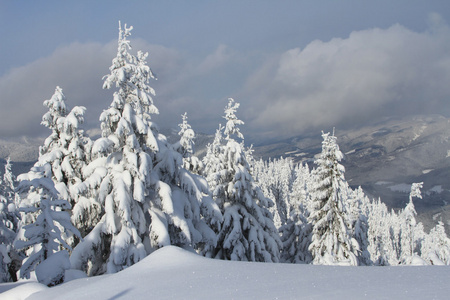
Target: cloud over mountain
342,82
371,74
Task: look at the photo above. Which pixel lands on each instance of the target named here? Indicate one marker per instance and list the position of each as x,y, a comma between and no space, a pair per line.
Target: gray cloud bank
370,74
346,82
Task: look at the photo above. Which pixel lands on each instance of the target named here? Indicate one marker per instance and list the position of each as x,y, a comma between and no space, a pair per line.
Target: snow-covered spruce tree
276,179
149,199
67,147
65,150
331,240
436,246
385,232
358,222
9,223
378,232
185,146
409,226
88,214
9,213
43,236
247,232
393,238
213,160
282,188
295,234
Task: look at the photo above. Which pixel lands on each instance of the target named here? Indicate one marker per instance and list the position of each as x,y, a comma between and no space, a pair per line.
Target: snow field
173,273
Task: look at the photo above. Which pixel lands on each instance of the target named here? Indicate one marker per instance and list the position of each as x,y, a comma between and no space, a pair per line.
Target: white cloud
183,85
78,69
370,74
215,60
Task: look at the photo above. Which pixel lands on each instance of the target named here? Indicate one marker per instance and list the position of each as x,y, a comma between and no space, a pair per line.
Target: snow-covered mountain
23,153
173,273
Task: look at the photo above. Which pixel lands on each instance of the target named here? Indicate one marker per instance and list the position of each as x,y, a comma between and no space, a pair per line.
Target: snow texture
173,273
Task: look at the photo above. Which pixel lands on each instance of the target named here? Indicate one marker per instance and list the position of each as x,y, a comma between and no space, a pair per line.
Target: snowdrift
173,273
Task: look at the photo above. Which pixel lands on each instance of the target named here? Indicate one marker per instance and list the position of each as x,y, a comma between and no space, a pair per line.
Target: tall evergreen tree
331,241
409,225
247,232
149,199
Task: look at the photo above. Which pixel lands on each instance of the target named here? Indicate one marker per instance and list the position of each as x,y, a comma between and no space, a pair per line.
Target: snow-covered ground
173,273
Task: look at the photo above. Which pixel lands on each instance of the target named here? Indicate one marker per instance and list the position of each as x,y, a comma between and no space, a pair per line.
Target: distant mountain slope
20,150
23,154
383,158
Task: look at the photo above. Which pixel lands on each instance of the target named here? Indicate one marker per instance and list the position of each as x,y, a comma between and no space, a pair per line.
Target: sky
296,67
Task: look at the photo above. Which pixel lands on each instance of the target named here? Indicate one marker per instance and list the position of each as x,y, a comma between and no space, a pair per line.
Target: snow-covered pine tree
149,199
247,232
43,230
331,241
9,224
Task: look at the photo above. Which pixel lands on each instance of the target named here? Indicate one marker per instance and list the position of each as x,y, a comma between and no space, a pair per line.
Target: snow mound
173,273
22,291
52,270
